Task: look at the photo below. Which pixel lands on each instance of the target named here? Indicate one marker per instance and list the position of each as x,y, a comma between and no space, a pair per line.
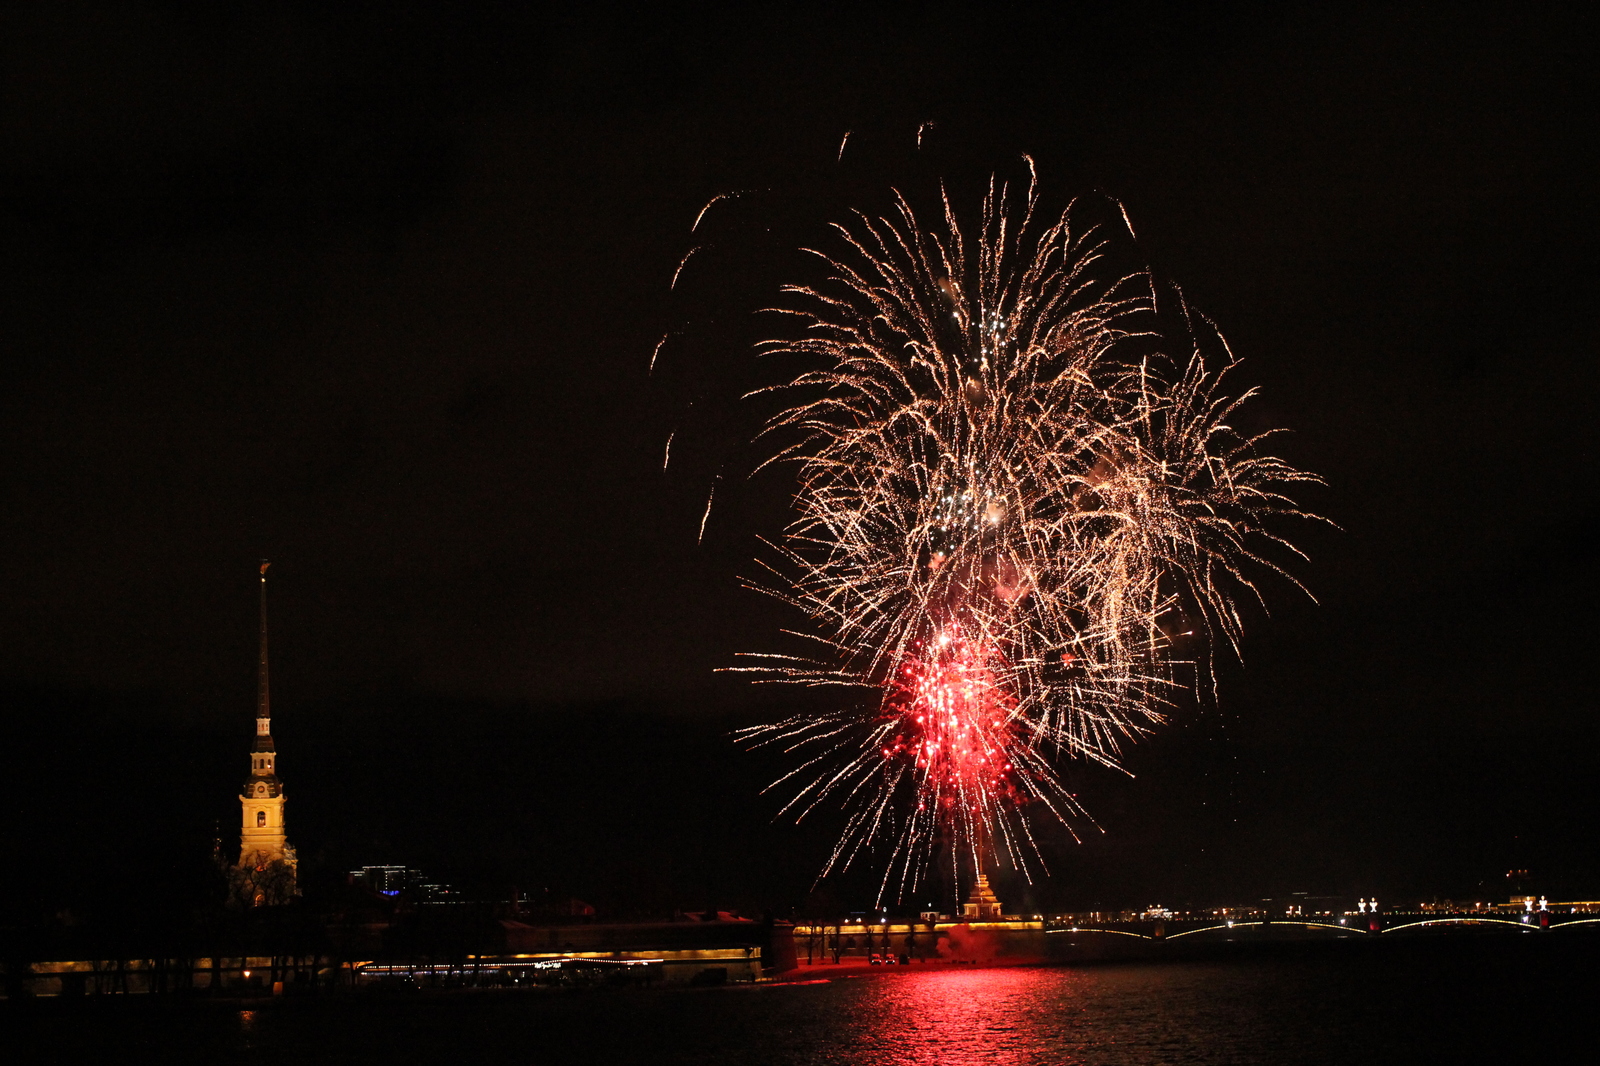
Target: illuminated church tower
264,848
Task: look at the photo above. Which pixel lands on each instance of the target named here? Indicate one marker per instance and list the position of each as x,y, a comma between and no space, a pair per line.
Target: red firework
958,730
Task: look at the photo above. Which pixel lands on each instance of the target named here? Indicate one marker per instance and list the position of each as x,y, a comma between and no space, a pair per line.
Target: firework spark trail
706,517
675,275
1010,499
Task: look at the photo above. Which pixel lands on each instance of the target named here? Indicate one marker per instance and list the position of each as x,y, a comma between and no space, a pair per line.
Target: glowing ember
1018,485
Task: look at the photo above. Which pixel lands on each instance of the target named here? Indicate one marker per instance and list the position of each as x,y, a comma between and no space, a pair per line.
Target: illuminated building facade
264,848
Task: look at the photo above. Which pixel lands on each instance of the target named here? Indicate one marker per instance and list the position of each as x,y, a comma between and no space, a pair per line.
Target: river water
1528,999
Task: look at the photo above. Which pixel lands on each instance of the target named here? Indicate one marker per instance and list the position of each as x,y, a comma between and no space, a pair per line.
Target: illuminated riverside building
981,933
267,861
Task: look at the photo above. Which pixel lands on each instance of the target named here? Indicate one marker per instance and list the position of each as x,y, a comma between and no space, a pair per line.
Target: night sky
374,294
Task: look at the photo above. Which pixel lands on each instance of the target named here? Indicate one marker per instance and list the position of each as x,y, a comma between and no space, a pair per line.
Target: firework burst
1013,497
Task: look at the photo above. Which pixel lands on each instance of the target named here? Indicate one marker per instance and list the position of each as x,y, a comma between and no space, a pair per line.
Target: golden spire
263,705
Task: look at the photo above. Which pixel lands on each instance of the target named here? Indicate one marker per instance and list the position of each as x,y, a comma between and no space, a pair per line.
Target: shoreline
1242,953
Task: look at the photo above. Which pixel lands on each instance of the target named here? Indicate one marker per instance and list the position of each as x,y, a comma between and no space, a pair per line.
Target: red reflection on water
960,1017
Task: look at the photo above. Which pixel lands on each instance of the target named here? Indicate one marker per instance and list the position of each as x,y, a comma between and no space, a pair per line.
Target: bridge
1086,937
1260,927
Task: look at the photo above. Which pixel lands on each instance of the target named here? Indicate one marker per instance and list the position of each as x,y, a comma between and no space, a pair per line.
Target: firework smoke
1013,497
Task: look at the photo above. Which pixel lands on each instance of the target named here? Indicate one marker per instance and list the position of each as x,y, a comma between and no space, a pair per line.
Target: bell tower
262,839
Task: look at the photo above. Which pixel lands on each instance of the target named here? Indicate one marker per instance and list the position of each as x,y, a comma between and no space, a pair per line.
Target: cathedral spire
267,863
263,703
